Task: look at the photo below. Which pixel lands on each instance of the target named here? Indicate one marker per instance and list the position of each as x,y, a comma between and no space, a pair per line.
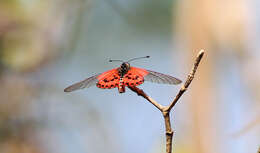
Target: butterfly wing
138,76
109,79
83,84
157,77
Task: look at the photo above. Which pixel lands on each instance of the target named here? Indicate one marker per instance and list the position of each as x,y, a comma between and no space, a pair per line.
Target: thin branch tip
202,51
200,54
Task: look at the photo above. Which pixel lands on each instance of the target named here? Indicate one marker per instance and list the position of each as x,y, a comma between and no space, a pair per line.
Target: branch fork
167,109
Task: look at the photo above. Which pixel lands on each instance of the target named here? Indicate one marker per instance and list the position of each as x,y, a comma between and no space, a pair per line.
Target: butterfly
125,75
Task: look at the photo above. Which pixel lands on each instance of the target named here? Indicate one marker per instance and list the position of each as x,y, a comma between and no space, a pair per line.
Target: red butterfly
125,75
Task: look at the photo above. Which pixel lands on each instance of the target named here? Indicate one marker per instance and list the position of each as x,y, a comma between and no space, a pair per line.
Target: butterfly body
120,77
125,75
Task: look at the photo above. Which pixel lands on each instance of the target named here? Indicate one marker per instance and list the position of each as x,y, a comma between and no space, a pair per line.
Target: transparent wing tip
178,81
68,89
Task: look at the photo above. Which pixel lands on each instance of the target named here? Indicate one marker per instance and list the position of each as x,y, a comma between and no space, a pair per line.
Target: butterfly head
125,66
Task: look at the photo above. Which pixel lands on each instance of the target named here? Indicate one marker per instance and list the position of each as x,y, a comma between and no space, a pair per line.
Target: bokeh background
47,45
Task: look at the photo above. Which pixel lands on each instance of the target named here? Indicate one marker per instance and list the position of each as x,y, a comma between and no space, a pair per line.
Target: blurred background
47,45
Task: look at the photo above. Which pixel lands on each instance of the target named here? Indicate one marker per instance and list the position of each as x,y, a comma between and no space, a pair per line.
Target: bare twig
188,81
166,109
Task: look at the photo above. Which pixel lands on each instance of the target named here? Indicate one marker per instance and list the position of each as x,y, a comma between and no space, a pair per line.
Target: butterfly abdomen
121,87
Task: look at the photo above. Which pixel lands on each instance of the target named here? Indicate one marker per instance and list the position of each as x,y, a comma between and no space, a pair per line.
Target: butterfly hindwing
108,79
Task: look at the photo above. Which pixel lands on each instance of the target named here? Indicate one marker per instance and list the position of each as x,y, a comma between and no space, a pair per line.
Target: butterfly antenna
116,60
137,58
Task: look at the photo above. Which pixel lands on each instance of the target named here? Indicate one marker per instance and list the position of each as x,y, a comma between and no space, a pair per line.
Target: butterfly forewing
147,75
91,81
157,77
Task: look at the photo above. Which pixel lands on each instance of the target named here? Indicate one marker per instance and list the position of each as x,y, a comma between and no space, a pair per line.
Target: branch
166,109
188,81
